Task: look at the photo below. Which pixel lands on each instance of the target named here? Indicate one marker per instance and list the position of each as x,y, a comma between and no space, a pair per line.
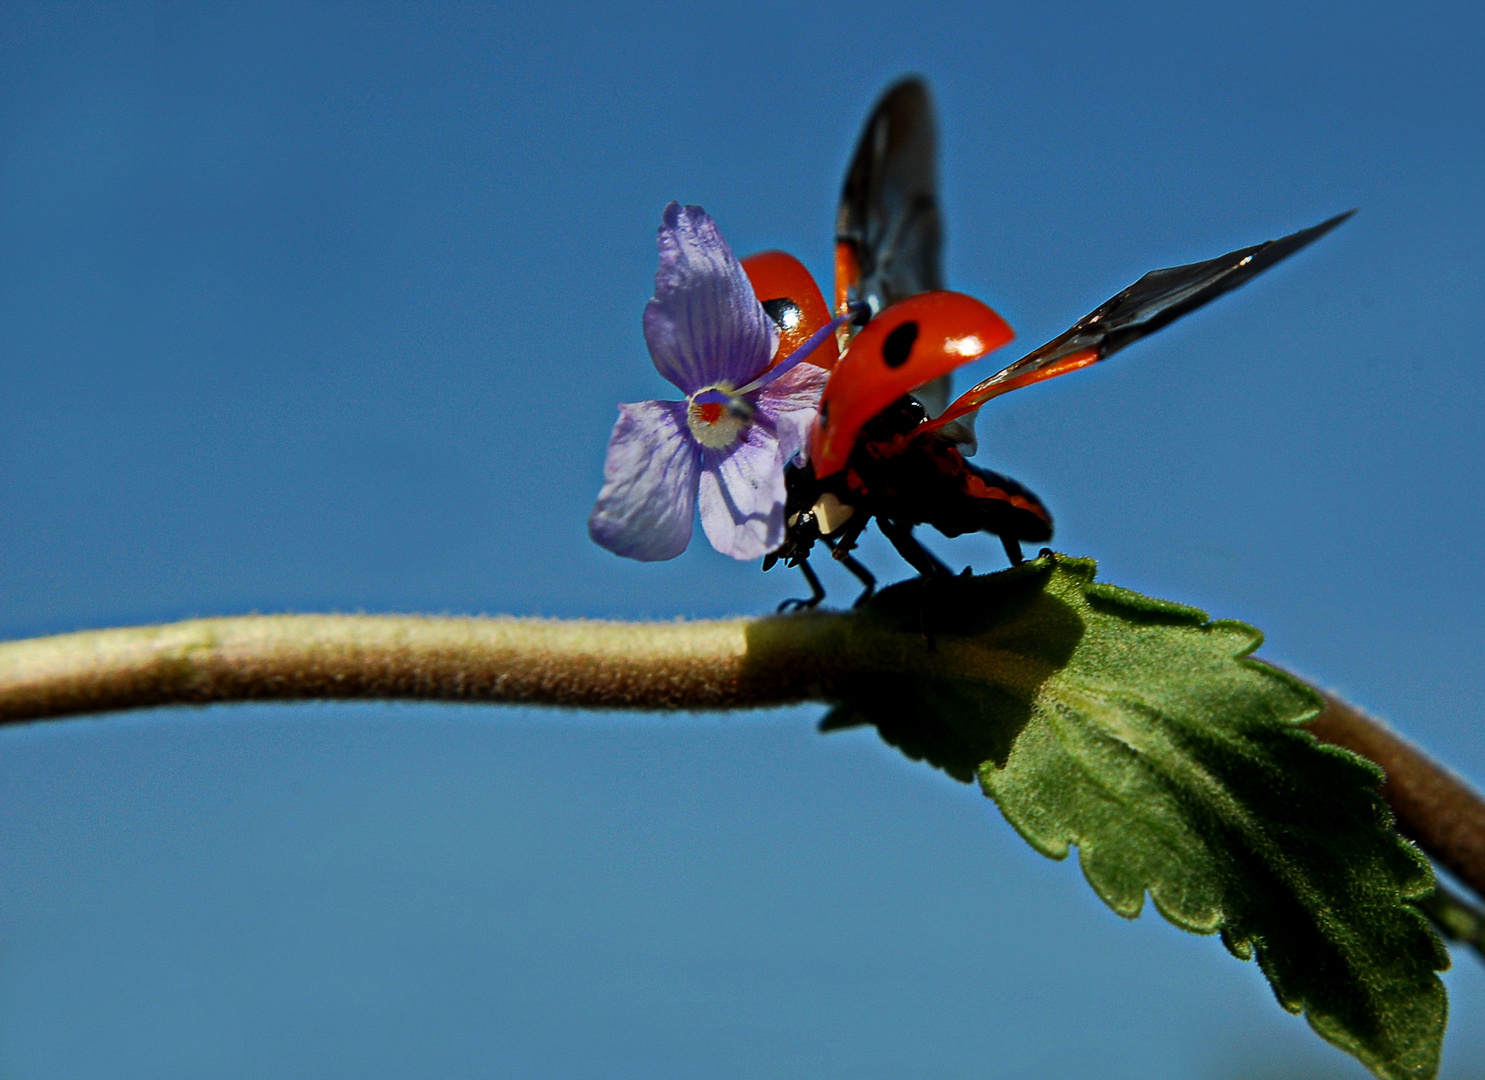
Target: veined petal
791,404
649,483
742,496
704,325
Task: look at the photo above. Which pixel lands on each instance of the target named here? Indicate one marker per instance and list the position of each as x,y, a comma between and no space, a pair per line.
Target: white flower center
718,421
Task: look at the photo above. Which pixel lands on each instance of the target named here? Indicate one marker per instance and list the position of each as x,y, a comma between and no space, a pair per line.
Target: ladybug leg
842,554
863,575
917,556
1012,550
845,541
926,564
841,546
817,592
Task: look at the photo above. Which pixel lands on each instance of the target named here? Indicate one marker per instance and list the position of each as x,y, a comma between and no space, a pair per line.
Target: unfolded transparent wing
889,216
888,230
1154,301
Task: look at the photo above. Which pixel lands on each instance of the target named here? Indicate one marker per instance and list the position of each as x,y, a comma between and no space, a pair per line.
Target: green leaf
1140,732
1455,918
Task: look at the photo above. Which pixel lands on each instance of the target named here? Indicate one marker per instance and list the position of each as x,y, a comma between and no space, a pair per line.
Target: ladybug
887,445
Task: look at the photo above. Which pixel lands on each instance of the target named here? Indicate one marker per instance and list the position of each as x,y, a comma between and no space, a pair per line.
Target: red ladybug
885,447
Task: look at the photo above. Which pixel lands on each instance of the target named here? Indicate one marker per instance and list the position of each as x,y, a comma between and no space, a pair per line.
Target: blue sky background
327,308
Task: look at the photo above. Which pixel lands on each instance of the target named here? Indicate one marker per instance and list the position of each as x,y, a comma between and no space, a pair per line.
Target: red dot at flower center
709,411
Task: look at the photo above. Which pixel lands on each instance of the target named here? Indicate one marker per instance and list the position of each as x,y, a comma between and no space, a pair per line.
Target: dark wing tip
1275,251
913,84
1305,237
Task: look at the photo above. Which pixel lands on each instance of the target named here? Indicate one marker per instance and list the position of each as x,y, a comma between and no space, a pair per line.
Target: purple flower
740,424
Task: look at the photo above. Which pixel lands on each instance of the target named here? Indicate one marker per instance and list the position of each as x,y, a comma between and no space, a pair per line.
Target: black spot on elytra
899,345
784,312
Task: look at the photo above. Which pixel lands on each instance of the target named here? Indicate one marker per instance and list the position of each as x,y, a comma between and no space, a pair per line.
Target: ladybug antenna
858,314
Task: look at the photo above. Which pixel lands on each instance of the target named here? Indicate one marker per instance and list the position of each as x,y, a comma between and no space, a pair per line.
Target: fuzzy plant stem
1435,808
729,664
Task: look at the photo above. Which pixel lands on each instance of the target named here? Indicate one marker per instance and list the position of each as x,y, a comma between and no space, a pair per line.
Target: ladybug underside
902,481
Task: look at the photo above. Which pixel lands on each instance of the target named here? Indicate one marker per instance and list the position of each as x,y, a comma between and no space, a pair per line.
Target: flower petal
742,496
649,483
704,325
791,404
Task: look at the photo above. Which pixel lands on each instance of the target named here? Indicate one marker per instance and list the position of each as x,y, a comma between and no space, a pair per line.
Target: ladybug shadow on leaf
963,659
